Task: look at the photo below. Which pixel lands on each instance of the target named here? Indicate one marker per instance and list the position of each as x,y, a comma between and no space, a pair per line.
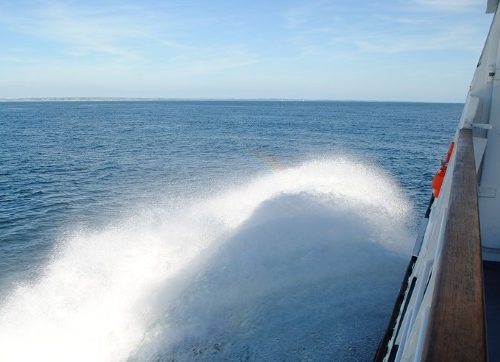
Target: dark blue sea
209,230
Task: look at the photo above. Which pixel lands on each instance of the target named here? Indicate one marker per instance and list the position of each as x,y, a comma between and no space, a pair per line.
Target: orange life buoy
438,179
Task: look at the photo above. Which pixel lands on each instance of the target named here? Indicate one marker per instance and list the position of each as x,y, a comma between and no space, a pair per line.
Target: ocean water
209,230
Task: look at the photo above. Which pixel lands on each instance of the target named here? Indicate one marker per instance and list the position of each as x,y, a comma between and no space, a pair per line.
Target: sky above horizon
413,50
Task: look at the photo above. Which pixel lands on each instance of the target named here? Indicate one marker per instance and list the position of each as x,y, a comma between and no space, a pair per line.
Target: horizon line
173,99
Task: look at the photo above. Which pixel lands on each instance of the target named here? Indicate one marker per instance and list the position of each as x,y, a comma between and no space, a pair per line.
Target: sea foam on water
292,263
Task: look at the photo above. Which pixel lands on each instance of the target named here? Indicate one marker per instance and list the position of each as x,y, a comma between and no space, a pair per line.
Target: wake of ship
302,262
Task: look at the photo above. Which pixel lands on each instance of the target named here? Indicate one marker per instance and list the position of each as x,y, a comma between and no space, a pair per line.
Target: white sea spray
145,287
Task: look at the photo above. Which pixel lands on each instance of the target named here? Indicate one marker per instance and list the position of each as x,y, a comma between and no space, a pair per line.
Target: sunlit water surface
205,231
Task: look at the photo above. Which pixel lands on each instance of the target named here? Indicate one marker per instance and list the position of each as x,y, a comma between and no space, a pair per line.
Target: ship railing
456,328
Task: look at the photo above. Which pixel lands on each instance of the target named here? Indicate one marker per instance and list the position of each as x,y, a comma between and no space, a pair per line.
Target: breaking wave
303,262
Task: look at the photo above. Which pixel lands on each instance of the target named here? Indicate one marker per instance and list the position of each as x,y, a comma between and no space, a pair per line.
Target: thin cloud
462,38
323,30
460,5
212,61
84,32
299,16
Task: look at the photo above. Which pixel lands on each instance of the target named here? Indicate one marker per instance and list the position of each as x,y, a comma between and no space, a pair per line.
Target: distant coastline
131,99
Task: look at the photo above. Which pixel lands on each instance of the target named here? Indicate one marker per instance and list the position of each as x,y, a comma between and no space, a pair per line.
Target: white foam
92,301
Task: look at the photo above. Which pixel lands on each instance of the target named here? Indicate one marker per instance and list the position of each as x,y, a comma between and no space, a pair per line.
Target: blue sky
416,50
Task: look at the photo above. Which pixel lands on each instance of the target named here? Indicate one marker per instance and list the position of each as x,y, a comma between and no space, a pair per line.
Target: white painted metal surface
482,114
487,87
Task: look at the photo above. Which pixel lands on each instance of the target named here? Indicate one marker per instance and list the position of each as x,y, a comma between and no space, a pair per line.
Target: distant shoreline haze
159,99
